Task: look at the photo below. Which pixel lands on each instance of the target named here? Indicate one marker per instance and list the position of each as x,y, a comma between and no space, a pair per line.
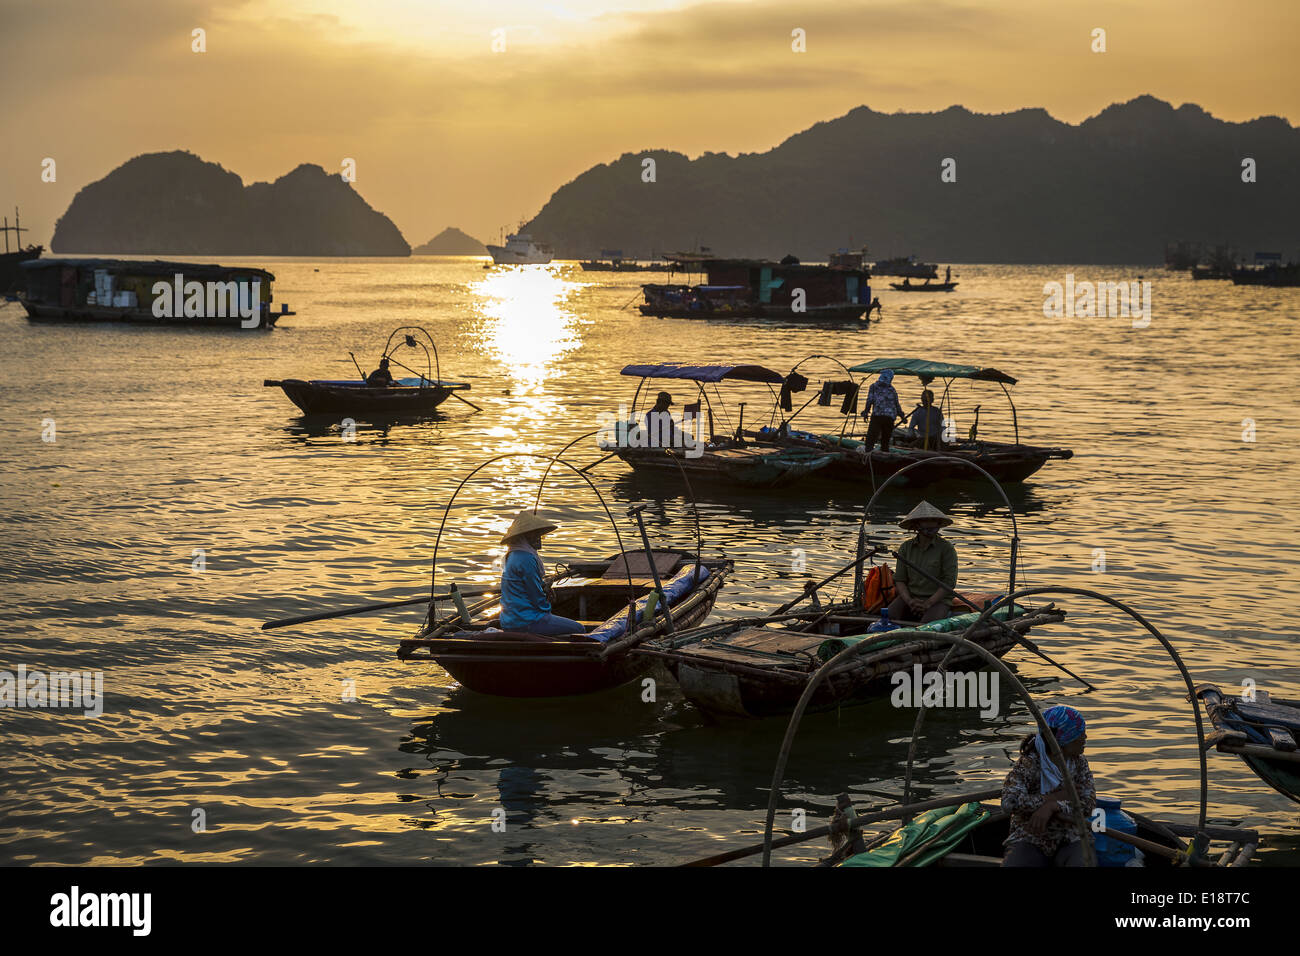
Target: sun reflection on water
529,324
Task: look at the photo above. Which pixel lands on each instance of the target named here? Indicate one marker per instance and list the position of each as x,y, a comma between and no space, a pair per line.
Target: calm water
166,443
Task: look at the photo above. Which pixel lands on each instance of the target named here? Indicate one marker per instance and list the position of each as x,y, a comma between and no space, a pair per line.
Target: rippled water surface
167,443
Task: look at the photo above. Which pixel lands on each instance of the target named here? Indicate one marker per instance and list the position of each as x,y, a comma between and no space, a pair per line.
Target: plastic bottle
884,624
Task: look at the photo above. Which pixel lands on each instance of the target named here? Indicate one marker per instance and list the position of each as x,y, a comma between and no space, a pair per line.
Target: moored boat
905,266
694,446
420,393
926,286
143,292
1261,731
1005,461
744,289
609,597
520,248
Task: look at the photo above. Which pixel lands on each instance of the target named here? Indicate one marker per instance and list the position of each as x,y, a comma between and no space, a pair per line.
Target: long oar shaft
364,609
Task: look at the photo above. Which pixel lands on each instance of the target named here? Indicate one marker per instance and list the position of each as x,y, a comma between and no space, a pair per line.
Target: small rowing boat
385,398
1261,731
694,447
748,667
923,286
609,597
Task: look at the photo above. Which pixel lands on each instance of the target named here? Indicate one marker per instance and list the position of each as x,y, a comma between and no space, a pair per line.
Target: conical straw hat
526,522
922,512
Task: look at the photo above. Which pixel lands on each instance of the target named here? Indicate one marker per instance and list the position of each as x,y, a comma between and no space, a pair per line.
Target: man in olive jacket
919,598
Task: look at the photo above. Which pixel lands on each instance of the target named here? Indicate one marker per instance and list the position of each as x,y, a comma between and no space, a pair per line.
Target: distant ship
521,249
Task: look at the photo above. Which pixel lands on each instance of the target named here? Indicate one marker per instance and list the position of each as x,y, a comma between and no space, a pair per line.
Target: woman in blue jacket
524,606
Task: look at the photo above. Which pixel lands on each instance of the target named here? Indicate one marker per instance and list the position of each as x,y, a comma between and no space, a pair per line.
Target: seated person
524,603
1043,832
919,598
926,423
380,377
661,430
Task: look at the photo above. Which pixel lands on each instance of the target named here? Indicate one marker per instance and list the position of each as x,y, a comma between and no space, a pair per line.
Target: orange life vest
878,588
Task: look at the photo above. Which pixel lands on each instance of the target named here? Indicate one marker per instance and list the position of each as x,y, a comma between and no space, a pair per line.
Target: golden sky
445,131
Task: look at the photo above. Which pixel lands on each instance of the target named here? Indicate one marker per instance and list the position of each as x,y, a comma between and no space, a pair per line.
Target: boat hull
729,466
924,287
317,398
44,312
519,664
851,312
1278,768
762,672
510,257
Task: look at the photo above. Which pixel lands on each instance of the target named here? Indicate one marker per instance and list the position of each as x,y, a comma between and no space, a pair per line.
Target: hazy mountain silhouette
178,204
1029,188
451,242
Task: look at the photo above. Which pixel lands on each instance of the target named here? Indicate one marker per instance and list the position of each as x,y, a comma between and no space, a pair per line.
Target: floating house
761,289
153,292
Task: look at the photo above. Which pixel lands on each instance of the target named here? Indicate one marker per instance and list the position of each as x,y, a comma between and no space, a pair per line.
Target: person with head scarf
380,377
1043,832
524,602
881,410
923,560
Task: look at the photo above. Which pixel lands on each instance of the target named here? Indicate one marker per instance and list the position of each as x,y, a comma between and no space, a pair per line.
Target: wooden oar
367,608
598,461
426,378
466,401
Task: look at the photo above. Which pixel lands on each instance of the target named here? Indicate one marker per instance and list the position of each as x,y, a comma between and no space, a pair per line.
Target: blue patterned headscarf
886,376
1067,725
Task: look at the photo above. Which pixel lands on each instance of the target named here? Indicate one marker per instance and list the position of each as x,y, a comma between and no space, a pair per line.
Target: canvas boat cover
707,373
928,837
925,369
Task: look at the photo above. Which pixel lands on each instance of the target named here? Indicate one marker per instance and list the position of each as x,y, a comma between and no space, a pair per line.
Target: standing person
881,409
947,275
919,597
1042,824
927,422
524,603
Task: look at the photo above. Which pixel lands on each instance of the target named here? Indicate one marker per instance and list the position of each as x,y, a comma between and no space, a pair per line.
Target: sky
445,130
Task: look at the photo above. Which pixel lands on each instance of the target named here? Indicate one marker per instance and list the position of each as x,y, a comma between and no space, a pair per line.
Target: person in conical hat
524,602
922,560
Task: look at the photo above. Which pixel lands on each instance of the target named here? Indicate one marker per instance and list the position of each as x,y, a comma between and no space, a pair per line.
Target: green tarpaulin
958,622
926,838
928,371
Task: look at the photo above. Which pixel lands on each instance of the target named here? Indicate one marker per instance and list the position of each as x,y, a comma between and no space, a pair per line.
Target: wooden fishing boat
735,459
609,597
973,834
421,393
759,667
1005,461
1262,732
406,396
923,286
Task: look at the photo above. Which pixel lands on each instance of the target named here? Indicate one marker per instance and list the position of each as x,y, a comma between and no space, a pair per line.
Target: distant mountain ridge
451,242
177,204
1029,189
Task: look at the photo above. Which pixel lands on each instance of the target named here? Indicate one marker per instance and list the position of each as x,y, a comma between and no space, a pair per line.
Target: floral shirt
883,400
1022,795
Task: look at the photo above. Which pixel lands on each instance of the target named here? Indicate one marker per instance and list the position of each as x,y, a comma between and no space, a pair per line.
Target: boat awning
925,369
706,373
